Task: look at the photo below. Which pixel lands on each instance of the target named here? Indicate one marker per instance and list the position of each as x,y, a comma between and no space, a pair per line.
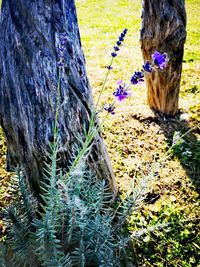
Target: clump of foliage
2,144
195,110
186,149
167,237
77,224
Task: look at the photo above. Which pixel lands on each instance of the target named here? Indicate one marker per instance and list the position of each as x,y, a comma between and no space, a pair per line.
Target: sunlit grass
99,31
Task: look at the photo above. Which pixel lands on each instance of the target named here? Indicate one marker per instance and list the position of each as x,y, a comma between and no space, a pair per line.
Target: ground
135,138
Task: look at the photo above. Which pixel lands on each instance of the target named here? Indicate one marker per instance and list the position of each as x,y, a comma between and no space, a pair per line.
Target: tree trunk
30,35
163,29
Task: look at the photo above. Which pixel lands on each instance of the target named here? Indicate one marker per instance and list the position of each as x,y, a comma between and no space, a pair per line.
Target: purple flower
118,43
116,48
109,67
159,60
63,34
63,38
121,92
137,77
110,109
147,67
125,31
119,82
60,64
63,43
121,39
61,50
113,54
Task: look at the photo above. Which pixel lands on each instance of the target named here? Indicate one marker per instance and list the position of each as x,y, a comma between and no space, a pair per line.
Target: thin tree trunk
163,29
29,36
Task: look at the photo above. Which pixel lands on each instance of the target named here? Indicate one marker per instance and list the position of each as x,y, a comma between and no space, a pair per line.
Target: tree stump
30,35
163,29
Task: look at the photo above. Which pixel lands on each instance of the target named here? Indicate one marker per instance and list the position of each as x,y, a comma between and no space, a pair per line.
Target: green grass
99,31
190,90
192,51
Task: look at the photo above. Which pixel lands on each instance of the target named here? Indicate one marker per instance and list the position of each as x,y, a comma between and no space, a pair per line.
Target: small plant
168,239
182,149
186,149
76,224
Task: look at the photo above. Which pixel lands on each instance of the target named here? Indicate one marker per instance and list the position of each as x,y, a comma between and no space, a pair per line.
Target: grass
135,139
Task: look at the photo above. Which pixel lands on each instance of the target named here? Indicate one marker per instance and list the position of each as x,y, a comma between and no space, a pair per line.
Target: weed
170,238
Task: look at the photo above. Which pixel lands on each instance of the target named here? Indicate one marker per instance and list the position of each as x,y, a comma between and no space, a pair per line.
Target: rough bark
29,36
164,29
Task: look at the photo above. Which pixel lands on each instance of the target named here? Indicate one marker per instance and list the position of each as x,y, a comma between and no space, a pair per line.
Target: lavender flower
137,77
121,92
110,109
147,67
60,64
113,54
116,48
61,50
121,39
159,60
109,67
125,31
63,36
122,35
119,42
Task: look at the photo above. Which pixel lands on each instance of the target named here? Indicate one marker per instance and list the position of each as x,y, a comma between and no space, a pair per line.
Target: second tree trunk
164,30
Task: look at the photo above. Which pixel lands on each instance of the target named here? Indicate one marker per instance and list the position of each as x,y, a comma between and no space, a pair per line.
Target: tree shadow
181,136
184,142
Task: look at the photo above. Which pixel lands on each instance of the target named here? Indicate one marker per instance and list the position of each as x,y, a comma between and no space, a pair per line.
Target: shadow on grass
185,145
182,139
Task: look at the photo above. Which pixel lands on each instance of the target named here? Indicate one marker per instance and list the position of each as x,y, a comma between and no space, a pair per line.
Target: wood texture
29,37
163,29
